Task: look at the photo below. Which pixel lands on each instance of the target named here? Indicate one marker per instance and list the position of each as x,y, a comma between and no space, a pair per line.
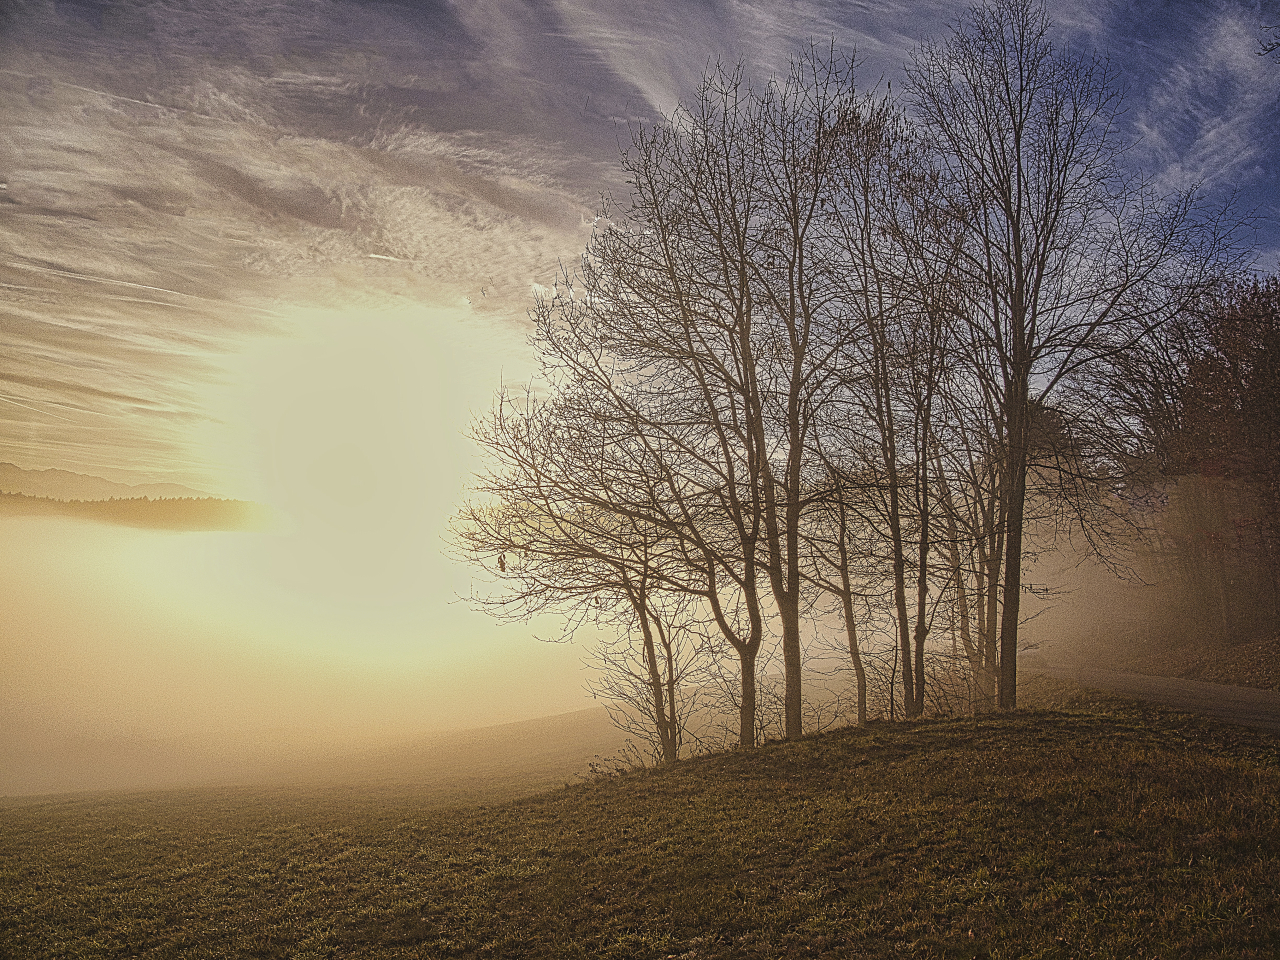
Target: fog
326,649
127,650
283,253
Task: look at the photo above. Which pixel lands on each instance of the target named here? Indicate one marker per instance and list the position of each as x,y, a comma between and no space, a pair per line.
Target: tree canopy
836,357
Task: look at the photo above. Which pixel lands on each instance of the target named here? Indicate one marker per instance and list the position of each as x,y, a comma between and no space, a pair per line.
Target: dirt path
1243,705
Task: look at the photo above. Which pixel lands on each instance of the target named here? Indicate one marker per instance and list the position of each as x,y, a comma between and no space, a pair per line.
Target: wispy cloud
165,180
1209,118
175,171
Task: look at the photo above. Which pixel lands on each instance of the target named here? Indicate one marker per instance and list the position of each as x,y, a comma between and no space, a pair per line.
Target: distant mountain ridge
65,485
162,513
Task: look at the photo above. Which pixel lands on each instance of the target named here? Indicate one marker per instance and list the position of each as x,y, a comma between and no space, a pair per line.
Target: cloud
180,174
171,171
1207,117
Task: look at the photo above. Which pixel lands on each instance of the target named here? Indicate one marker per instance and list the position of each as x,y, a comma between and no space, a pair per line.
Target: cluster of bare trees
842,359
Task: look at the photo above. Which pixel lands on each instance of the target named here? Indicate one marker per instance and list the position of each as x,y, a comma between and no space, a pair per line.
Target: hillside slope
459,766
1131,833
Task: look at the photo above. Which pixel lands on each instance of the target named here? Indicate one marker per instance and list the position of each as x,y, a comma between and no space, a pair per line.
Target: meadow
1102,830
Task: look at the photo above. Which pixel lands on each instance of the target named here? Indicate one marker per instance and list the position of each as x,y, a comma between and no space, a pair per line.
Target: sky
284,251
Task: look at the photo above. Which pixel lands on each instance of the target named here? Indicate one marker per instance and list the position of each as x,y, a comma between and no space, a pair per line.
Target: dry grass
1034,834
1247,662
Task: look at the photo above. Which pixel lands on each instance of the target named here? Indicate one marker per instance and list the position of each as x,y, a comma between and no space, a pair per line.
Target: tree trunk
922,599
673,720
904,640
994,557
1012,593
851,630
656,686
961,609
747,708
791,664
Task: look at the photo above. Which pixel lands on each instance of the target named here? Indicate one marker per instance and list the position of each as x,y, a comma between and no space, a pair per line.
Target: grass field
1126,833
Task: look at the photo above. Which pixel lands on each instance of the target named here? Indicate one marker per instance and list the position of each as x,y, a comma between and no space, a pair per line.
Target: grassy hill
1124,833
454,767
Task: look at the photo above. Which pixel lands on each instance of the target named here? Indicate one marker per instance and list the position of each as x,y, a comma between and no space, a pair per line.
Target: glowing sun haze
283,252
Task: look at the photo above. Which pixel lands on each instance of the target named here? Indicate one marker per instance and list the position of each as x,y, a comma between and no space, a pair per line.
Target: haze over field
283,252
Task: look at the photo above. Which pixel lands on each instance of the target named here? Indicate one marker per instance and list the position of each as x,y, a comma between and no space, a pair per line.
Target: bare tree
1068,259
822,351
571,519
654,690
896,243
842,563
1270,42
695,486
710,297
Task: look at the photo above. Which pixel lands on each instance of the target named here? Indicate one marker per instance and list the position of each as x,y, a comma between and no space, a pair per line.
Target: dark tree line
1207,390
163,513
839,358
1227,420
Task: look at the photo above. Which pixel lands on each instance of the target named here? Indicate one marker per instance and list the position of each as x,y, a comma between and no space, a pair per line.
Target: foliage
1208,393
1229,397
